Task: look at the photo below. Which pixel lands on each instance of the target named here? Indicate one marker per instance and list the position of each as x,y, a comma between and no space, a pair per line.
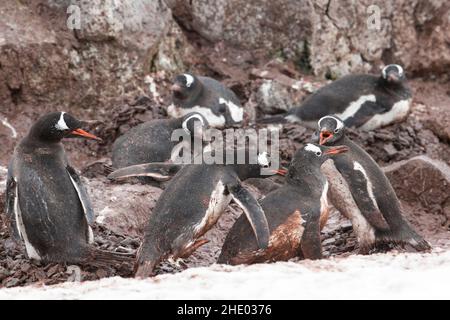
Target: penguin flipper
160,171
12,206
361,190
82,194
253,212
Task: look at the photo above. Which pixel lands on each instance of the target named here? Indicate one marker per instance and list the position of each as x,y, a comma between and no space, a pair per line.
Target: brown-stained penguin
47,205
362,101
192,203
296,212
371,191
218,104
152,141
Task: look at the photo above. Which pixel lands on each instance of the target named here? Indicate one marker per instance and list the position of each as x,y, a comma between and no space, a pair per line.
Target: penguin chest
397,113
324,208
284,243
215,206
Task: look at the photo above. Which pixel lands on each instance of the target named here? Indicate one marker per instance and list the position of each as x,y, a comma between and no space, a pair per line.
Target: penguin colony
49,211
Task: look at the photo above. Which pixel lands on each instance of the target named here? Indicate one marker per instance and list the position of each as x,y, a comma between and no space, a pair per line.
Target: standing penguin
46,203
191,204
371,190
296,213
362,100
151,141
218,104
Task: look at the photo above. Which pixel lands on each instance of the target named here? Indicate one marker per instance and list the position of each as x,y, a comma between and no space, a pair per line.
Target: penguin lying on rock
371,191
151,141
47,205
192,203
363,101
218,104
296,213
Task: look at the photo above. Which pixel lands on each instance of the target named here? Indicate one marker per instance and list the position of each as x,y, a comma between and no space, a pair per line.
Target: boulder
423,182
333,37
122,209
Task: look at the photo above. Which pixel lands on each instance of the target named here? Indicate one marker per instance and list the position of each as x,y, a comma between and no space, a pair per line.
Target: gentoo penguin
296,212
361,100
46,203
371,190
218,104
191,204
151,141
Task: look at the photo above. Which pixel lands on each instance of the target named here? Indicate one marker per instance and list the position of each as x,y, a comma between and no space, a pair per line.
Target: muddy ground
417,135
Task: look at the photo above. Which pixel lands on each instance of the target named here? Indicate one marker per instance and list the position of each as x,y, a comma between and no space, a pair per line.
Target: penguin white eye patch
61,125
399,70
312,148
189,79
339,123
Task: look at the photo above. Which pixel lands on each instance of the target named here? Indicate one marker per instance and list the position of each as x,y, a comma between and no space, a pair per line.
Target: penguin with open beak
371,190
296,213
47,205
192,203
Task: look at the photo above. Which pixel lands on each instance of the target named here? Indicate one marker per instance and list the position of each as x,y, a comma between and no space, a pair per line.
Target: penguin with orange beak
47,206
371,191
295,213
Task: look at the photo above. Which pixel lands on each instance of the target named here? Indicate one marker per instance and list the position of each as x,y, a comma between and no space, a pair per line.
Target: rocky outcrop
83,53
334,37
424,182
125,208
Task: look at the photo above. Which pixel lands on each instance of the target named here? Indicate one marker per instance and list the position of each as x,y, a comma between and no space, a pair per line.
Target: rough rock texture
46,57
123,208
424,182
334,37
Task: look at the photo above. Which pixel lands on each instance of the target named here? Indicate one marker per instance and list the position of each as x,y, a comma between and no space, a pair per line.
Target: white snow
380,276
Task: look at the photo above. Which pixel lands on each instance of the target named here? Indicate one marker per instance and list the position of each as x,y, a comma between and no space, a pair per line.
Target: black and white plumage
191,204
362,101
152,141
46,203
296,212
371,190
218,104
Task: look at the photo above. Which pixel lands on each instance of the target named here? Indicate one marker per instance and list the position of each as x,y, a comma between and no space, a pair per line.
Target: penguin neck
308,178
397,89
32,142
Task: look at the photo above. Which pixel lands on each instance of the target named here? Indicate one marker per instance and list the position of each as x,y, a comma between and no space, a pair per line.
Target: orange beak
84,134
282,172
325,136
336,150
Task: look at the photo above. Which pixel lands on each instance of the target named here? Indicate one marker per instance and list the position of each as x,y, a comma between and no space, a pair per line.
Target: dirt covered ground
422,133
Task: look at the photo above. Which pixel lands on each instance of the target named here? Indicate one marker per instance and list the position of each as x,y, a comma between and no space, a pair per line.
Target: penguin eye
336,131
318,153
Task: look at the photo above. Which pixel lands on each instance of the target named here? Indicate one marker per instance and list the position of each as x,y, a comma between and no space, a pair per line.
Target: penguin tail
102,258
408,237
280,118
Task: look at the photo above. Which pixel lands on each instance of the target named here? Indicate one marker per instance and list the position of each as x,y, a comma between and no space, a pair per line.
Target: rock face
424,182
125,208
335,37
82,52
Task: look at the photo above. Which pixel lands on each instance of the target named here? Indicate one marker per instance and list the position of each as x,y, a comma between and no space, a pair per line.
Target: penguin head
185,86
194,124
312,156
331,130
393,74
55,126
